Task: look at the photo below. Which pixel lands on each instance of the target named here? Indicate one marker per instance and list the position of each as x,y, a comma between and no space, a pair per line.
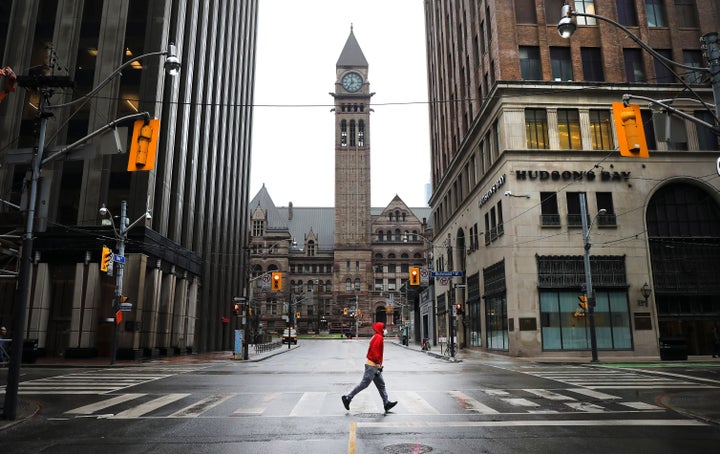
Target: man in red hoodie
373,369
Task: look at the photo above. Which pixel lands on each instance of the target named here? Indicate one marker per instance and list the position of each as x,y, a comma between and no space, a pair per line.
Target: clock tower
353,238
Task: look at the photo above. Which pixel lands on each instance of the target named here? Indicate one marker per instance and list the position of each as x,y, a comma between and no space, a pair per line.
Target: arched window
381,236
357,284
398,235
310,248
328,286
343,133
352,133
348,285
361,133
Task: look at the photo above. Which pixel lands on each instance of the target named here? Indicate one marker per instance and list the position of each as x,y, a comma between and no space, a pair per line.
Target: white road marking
147,407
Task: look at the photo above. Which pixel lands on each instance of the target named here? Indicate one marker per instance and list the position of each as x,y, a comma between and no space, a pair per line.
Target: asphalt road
290,403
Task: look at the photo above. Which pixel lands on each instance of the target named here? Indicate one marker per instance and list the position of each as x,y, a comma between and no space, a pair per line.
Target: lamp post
645,291
46,85
588,273
120,239
566,27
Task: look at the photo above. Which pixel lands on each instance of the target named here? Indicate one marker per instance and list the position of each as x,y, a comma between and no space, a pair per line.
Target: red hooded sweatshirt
375,350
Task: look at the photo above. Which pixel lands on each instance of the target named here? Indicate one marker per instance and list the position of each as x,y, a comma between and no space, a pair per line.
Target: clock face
352,82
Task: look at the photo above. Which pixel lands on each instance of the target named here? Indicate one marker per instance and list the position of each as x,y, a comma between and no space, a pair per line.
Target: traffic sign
447,274
118,258
125,307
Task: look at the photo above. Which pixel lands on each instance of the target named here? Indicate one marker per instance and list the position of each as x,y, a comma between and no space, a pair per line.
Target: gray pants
371,375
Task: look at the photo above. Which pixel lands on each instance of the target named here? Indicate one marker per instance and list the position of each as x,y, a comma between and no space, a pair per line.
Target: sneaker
346,402
389,405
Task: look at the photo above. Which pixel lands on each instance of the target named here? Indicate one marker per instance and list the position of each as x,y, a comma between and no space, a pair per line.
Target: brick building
523,137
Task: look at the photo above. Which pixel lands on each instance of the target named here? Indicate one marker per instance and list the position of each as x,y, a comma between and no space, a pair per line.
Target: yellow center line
351,438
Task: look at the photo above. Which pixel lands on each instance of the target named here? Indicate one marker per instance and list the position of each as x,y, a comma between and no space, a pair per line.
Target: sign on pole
447,274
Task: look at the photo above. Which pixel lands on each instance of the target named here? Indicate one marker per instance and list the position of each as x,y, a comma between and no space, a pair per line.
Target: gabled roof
275,220
298,221
351,54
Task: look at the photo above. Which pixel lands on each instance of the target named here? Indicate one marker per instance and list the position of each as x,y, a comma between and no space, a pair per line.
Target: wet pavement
702,404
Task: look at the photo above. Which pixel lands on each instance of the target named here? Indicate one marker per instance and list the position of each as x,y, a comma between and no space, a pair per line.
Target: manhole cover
407,448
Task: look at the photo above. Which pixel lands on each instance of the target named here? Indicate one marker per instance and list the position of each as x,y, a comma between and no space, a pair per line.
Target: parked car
289,338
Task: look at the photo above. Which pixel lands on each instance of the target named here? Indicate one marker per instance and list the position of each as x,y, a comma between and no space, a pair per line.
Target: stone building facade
344,263
525,134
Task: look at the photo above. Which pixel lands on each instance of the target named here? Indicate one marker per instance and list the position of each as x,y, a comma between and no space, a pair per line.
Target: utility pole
588,278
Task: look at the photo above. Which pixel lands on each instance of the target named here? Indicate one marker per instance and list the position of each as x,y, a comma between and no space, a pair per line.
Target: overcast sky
298,45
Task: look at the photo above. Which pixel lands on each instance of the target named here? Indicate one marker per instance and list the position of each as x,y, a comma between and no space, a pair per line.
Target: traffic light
143,146
629,130
458,309
345,310
236,309
276,280
583,302
297,315
106,259
414,275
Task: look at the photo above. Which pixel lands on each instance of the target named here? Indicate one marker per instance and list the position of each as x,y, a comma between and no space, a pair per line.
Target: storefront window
496,318
565,326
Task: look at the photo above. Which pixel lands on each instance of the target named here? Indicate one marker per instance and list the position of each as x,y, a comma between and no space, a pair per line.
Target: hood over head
378,327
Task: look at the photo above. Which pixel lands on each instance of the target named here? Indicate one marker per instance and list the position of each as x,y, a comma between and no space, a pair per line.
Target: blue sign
118,258
447,274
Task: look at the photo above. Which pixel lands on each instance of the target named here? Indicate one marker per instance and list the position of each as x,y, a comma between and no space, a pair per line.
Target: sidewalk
27,407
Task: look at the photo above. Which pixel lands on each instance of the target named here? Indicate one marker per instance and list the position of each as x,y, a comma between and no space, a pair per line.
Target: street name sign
447,274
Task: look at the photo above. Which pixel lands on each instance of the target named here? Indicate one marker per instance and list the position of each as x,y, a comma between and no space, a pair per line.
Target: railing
261,348
4,352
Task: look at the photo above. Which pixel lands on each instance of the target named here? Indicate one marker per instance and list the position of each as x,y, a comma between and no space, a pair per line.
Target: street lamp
45,85
645,291
566,27
120,238
588,273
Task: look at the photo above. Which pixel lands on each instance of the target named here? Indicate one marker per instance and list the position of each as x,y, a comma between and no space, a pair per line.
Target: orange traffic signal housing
583,302
629,130
414,275
143,146
276,280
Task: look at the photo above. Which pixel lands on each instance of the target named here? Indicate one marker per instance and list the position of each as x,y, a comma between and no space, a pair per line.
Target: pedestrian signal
276,280
143,145
629,130
106,259
414,275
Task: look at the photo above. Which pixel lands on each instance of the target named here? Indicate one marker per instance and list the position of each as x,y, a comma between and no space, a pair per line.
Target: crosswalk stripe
471,404
641,406
593,394
257,410
586,407
97,406
547,394
520,402
147,407
413,403
309,404
198,408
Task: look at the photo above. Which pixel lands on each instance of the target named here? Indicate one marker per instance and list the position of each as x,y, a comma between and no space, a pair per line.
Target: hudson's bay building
187,260
522,133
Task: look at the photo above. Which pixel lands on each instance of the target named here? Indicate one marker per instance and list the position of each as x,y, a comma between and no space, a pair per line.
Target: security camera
148,216
508,193
103,211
